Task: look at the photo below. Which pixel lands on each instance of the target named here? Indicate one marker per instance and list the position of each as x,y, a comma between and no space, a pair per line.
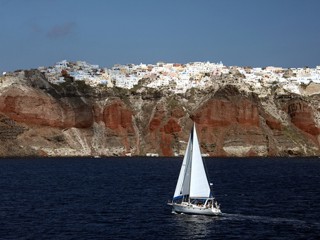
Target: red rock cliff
72,119
32,106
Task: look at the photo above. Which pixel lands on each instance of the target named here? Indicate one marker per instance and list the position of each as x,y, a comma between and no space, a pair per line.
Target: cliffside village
180,77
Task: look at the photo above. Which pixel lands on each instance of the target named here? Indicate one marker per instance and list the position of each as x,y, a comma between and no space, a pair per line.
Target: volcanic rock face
118,118
163,129
302,117
35,107
38,118
229,124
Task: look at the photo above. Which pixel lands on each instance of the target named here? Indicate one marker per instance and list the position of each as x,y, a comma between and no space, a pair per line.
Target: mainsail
192,181
183,184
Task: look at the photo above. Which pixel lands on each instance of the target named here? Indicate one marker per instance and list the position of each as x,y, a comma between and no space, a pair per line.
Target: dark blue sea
125,198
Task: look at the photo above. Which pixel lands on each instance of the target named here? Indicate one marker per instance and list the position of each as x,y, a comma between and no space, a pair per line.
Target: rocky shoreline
40,118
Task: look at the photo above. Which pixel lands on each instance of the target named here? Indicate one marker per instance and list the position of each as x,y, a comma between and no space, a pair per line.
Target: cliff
39,118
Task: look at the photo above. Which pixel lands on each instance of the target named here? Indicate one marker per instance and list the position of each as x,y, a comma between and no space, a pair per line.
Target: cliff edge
72,118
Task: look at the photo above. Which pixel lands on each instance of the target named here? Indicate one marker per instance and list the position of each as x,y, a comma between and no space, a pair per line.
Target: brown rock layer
222,113
73,119
118,118
273,123
302,117
32,106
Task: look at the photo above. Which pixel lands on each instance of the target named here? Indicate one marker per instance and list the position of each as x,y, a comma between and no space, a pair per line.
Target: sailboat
193,194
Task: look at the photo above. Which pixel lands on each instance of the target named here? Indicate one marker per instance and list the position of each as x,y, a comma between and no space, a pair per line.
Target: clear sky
237,32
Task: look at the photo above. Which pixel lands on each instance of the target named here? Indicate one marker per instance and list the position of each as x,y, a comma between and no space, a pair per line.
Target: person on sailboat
209,204
216,205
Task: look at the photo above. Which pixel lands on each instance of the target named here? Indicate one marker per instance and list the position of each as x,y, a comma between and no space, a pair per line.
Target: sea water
125,198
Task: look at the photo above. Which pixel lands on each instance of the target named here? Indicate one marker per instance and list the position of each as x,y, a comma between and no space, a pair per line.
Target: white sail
199,185
192,179
182,187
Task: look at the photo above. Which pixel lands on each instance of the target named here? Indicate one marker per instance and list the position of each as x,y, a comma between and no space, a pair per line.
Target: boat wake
266,219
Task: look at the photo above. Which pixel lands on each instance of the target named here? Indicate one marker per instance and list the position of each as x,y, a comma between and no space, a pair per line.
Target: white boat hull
194,209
